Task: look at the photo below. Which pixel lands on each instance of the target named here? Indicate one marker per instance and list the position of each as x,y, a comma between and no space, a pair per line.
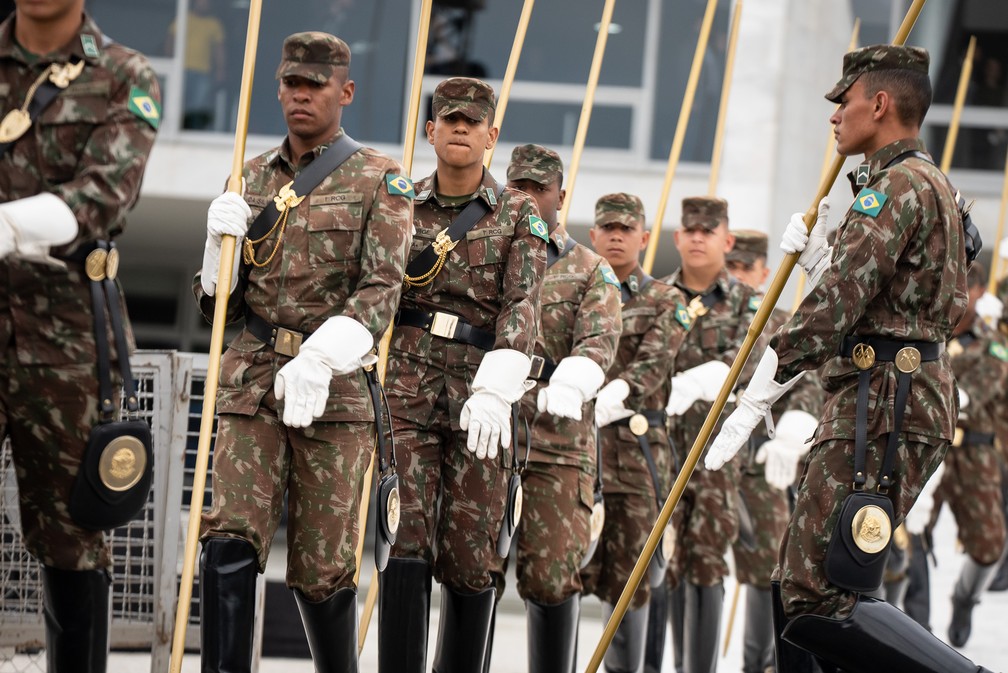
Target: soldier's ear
429,126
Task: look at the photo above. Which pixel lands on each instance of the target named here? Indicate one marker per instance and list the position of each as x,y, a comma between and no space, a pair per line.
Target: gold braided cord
427,278
248,252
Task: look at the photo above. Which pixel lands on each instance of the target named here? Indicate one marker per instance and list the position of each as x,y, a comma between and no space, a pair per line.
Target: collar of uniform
633,281
426,189
9,47
889,152
559,236
284,153
723,281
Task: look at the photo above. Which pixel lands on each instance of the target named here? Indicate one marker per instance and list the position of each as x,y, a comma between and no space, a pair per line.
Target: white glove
920,514
31,226
575,381
814,254
228,215
1003,248
609,403
989,308
789,445
753,406
486,415
963,398
336,348
702,382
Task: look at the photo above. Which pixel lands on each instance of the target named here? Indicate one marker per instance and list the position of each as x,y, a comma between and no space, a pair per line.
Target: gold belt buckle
960,435
287,342
908,360
638,424
538,364
444,325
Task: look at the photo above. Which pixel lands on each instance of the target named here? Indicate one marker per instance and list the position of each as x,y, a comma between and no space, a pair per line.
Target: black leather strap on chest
44,95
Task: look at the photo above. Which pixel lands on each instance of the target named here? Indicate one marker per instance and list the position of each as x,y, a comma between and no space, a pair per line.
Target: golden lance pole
992,278
755,328
827,161
715,169
586,106
680,134
957,108
509,73
227,251
731,618
409,140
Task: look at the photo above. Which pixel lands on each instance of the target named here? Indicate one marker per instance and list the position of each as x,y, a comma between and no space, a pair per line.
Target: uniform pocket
488,251
334,228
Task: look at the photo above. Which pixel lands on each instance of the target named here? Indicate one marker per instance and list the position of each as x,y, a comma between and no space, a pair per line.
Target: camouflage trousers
257,459
630,512
452,502
827,480
48,413
768,508
706,522
971,485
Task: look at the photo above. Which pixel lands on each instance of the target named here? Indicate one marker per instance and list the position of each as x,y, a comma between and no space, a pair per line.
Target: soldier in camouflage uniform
895,280
706,520
768,470
460,354
295,414
577,344
636,455
67,178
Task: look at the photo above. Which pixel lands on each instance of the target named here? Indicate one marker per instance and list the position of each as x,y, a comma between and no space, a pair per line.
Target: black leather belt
542,368
654,419
447,326
969,438
887,350
283,340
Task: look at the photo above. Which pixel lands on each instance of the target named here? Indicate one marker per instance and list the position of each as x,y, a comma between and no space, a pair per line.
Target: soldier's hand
989,308
486,415
228,215
702,382
813,252
29,227
609,406
782,454
575,381
303,386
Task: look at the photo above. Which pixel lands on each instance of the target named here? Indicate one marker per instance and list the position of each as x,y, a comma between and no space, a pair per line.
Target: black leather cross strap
655,419
44,95
105,300
461,330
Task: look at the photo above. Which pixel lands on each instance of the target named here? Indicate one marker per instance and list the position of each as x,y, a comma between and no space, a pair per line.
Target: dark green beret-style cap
534,162
472,97
875,58
313,55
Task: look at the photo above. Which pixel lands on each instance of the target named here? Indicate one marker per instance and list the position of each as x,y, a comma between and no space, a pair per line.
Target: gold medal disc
638,424
863,356
392,511
908,360
112,264
122,463
516,510
597,520
871,529
95,265
668,542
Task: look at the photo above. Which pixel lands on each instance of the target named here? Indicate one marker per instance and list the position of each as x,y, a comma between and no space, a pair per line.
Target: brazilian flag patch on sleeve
869,202
608,275
539,227
142,105
400,185
999,351
683,316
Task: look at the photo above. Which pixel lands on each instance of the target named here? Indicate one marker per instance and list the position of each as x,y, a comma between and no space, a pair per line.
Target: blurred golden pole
753,333
227,252
723,107
509,74
731,617
992,278
957,108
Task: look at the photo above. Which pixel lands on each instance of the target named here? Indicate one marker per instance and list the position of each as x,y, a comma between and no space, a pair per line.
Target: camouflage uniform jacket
88,148
343,253
581,317
491,279
899,273
980,364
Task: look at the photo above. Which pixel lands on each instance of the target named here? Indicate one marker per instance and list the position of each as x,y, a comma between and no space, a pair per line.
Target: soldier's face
312,110
753,275
853,121
621,244
460,142
549,197
703,248
48,10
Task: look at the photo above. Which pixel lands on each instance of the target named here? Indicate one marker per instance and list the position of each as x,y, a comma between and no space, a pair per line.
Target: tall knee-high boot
490,640
331,628
404,616
917,597
876,638
228,570
626,652
677,617
758,636
702,627
790,658
972,582
658,613
464,630
76,607
552,635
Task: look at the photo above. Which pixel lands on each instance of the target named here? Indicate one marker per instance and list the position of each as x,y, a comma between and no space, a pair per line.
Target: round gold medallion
95,264
597,520
112,264
122,463
638,424
863,356
392,510
516,509
871,529
908,360
668,543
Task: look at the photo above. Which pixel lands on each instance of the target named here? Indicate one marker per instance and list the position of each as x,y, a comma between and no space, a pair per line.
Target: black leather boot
464,630
917,596
76,607
1000,581
876,638
228,570
626,652
552,633
490,641
758,636
790,659
331,627
404,616
702,627
973,580
658,614
677,615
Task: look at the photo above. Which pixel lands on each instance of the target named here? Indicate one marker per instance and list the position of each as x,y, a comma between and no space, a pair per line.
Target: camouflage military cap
876,58
704,211
534,162
750,245
472,97
620,207
313,55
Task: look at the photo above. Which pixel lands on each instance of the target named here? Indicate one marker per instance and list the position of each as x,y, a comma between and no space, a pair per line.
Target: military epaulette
999,351
869,202
400,185
89,45
608,275
143,106
682,314
491,196
754,303
538,227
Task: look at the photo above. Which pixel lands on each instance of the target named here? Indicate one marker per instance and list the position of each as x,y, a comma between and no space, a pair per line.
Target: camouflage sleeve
518,321
386,242
747,311
207,304
985,381
109,171
598,323
651,369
